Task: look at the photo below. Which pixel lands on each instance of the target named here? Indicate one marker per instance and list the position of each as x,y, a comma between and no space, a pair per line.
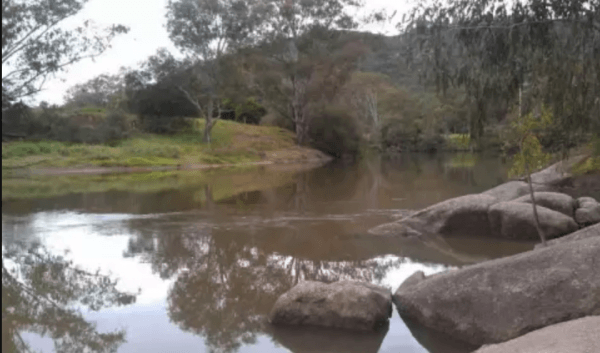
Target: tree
531,156
101,91
294,31
497,49
154,92
207,30
34,47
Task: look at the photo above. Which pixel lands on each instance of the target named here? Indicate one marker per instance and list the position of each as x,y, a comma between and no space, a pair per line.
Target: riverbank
233,144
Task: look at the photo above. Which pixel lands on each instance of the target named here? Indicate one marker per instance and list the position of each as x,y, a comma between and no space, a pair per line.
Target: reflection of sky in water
148,326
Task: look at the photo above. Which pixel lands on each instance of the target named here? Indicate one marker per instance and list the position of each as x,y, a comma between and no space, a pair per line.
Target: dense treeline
455,77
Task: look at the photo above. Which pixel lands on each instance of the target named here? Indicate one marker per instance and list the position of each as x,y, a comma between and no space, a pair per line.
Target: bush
274,119
400,134
158,124
334,131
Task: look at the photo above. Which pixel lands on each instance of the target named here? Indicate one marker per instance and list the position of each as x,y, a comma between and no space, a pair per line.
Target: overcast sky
146,20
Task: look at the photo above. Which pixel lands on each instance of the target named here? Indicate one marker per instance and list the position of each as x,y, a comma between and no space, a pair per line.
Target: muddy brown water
209,265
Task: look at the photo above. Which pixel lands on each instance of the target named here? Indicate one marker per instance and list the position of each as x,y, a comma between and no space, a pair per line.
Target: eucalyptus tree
208,30
100,91
36,45
496,49
295,30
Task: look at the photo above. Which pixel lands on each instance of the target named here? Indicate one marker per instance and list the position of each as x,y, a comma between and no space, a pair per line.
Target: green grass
232,143
462,160
589,165
458,142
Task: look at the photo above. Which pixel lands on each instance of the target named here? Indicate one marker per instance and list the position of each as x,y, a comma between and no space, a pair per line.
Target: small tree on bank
530,156
208,30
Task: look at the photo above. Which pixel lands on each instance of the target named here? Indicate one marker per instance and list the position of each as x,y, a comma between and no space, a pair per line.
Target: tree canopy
35,46
546,50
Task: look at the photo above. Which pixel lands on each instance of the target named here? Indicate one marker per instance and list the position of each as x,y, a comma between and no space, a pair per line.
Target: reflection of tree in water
226,283
39,292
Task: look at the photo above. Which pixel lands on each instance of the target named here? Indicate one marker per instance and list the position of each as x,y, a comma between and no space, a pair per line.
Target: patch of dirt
296,154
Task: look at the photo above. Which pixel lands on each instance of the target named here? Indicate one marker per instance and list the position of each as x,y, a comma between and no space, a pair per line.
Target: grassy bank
232,143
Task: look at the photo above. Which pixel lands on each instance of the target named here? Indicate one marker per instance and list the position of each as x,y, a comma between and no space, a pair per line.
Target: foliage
547,50
35,46
334,130
458,142
39,292
531,156
305,58
101,91
207,30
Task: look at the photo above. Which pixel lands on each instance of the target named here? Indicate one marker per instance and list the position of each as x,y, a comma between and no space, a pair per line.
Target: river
210,254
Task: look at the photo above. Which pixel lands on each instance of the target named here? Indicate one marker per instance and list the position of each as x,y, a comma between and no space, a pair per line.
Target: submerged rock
575,336
588,211
499,300
515,220
344,304
555,201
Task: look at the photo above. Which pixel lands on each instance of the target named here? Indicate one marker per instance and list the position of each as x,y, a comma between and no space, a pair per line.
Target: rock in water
575,336
515,220
344,304
465,215
499,300
513,189
555,201
588,211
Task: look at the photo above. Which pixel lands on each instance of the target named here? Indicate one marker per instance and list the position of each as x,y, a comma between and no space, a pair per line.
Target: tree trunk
534,204
209,121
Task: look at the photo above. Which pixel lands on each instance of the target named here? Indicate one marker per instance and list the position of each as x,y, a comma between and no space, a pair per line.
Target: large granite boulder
588,211
465,215
515,220
555,201
585,233
514,189
575,336
556,174
344,304
499,300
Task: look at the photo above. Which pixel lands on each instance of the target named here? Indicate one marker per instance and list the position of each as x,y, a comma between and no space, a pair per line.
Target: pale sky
146,20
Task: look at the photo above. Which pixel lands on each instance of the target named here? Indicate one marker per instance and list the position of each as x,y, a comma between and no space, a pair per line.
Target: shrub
400,134
334,131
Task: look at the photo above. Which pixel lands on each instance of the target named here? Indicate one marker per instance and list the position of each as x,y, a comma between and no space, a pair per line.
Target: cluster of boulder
546,291
544,300
502,212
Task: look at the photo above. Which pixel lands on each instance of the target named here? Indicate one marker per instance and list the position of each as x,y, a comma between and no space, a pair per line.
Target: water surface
211,254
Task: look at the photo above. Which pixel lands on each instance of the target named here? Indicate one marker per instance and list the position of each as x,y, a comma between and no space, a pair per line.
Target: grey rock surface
513,189
588,211
575,336
515,220
465,215
557,173
585,233
555,201
498,300
344,304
